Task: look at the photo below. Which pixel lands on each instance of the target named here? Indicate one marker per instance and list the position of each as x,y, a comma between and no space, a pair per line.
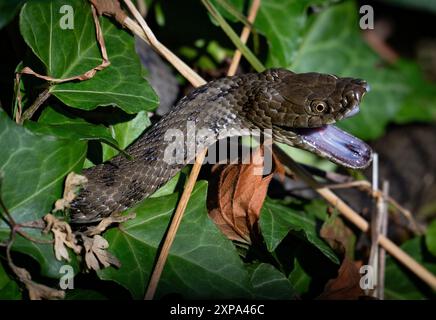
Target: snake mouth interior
337,145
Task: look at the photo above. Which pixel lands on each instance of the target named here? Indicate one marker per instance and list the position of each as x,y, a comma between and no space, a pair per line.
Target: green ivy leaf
54,123
283,23
126,132
201,263
9,289
400,283
33,169
330,42
430,238
420,104
299,278
8,10
276,221
269,283
71,52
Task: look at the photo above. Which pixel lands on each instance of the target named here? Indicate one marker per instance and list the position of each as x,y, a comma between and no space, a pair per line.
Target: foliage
290,258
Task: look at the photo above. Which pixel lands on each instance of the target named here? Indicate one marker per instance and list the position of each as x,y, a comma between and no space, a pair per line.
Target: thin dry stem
244,37
145,33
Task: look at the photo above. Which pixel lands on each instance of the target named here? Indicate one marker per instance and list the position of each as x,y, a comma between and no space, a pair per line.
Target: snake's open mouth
337,145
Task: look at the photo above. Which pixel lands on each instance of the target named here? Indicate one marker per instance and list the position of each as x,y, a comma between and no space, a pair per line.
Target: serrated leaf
276,221
33,169
201,263
269,283
400,283
71,52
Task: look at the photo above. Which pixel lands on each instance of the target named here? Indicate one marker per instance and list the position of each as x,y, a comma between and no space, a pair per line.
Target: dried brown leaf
72,183
96,253
36,290
236,198
106,222
63,237
338,236
346,286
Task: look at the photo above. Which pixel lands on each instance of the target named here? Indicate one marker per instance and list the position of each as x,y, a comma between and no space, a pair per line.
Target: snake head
310,100
302,108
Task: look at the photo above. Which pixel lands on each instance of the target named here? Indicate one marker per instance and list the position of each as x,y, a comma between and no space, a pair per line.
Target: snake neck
195,123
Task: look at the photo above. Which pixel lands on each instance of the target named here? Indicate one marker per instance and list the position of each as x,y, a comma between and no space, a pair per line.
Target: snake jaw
336,145
330,142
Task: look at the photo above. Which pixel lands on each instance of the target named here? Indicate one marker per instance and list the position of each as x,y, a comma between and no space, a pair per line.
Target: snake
297,109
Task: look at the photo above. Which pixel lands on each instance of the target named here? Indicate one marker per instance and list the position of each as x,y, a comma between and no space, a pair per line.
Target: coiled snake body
298,108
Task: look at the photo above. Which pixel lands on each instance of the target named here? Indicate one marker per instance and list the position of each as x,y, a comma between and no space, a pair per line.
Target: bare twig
244,37
42,97
382,252
150,38
375,227
142,7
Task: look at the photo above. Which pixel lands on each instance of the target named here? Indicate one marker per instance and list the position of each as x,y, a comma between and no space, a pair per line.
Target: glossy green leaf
56,124
299,278
420,104
201,263
276,221
126,132
330,42
71,52
8,10
33,169
269,283
283,23
430,237
9,289
401,284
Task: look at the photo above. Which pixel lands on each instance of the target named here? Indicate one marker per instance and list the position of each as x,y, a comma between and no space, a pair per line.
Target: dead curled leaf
236,197
96,253
36,290
106,222
338,236
72,183
63,237
346,286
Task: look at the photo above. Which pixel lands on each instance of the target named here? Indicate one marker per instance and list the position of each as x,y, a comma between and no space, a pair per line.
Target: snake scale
298,108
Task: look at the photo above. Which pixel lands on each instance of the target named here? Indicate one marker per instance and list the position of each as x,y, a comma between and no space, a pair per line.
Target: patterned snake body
298,108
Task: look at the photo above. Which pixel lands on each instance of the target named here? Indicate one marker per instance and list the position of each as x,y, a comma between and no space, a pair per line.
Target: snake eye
319,106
